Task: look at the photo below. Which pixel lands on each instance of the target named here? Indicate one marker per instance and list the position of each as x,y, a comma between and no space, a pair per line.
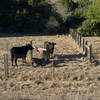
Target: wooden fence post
82,43
31,50
72,33
79,40
6,65
89,51
99,58
75,36
85,48
53,69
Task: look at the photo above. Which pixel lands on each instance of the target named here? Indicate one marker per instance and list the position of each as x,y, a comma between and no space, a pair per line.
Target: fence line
85,45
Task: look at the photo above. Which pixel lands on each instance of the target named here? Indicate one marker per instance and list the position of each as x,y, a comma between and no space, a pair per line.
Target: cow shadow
59,60
38,62
64,60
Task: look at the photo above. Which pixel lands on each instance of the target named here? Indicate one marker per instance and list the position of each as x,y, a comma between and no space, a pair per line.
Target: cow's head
29,46
53,43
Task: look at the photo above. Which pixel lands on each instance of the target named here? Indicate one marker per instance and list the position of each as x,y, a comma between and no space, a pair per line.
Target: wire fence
86,47
84,44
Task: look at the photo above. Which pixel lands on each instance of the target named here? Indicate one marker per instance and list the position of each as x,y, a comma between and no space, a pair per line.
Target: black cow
49,46
20,52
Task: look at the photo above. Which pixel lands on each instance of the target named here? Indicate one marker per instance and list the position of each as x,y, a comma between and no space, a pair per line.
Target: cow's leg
12,58
51,55
16,61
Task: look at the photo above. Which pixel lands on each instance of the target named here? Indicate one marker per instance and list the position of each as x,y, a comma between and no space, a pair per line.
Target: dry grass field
72,78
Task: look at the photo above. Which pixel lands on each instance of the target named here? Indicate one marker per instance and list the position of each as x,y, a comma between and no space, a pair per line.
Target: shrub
81,9
24,15
89,28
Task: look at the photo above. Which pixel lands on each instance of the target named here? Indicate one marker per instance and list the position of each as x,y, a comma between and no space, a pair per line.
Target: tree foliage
33,16
81,9
91,26
85,16
23,15
93,11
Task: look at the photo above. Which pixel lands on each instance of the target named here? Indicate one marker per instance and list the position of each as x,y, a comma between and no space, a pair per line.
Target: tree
23,15
93,11
91,26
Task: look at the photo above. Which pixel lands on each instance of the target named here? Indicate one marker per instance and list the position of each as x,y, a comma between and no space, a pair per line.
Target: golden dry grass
73,77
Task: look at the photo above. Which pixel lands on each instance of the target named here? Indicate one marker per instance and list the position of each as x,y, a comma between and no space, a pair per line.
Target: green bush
81,9
93,11
24,15
89,28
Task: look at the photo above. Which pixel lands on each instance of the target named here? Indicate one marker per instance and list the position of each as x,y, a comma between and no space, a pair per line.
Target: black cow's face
29,46
53,43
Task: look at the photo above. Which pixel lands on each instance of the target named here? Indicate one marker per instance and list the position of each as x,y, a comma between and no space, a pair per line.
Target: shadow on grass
63,60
